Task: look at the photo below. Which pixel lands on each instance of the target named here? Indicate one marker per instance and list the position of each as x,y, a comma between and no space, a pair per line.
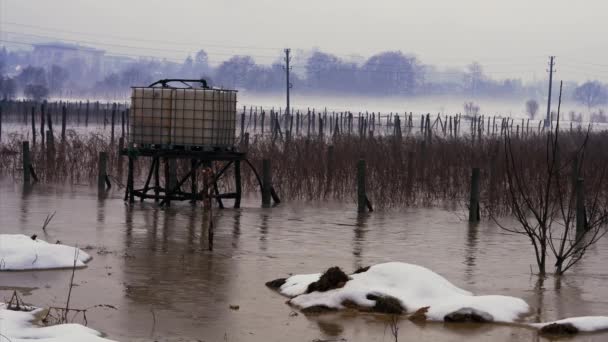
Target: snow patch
298,284
414,286
584,324
17,326
19,252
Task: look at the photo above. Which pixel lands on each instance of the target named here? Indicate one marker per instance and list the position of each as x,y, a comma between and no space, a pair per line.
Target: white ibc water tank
150,119
183,117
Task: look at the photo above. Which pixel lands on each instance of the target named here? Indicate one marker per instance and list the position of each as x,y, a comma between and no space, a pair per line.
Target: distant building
64,54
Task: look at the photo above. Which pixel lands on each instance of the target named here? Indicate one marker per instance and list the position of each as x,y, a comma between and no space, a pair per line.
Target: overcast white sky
510,38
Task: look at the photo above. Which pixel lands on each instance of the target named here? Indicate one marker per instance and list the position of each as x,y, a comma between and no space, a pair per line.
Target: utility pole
551,65
287,71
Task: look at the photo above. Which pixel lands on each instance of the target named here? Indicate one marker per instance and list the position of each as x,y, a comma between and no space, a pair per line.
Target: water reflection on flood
155,267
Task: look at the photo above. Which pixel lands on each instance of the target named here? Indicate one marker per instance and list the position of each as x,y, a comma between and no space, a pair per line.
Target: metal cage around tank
170,117
167,124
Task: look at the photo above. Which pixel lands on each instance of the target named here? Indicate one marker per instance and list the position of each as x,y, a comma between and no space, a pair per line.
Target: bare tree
532,108
591,94
550,207
474,77
36,92
470,108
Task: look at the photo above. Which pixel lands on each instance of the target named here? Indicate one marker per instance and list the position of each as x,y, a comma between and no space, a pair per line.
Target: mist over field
358,57
418,105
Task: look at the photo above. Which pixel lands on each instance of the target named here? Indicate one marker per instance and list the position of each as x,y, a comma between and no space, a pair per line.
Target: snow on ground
414,286
20,252
584,324
17,326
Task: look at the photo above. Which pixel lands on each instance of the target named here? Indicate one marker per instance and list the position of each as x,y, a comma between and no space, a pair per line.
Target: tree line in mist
389,73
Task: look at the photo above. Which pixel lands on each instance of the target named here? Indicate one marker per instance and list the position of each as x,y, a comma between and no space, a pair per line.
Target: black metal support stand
173,183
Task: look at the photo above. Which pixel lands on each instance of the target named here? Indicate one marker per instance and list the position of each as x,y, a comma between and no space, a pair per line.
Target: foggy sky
510,38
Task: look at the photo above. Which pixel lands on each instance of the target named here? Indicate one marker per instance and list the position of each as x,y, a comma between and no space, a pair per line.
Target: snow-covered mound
21,252
16,326
573,325
413,287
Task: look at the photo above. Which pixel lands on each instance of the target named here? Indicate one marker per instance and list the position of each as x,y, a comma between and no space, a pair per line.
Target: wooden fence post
266,183
237,181
33,125
474,215
102,172
26,162
86,115
42,119
64,113
242,124
112,121
130,183
49,119
122,123
362,200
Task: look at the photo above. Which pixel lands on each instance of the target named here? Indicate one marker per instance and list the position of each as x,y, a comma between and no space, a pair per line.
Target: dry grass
404,168
400,172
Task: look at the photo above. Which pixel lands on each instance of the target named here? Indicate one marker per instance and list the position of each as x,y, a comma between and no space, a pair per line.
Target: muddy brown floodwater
154,267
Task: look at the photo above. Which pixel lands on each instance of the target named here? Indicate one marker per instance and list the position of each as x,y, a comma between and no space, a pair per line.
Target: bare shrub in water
550,204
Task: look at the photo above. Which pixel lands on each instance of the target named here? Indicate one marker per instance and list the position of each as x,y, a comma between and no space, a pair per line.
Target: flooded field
153,265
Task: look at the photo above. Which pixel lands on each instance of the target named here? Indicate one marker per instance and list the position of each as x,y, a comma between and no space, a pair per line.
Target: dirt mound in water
333,278
276,284
468,315
386,304
559,329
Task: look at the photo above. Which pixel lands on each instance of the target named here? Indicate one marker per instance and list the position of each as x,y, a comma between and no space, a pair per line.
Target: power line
143,39
251,47
111,55
384,69
378,68
124,46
